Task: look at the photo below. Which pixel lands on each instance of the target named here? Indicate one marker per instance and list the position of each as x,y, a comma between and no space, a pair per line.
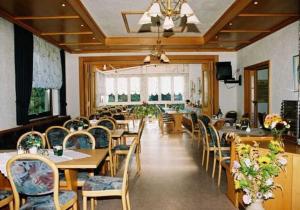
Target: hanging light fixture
157,51
169,10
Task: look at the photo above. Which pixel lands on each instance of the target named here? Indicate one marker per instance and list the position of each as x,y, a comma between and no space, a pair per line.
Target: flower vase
279,139
257,205
33,150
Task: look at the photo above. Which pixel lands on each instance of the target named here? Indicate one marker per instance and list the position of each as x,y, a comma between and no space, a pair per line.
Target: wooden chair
195,126
219,124
221,152
106,113
95,116
6,198
123,149
103,139
55,135
231,117
43,194
72,124
85,121
25,137
79,140
105,186
108,123
207,145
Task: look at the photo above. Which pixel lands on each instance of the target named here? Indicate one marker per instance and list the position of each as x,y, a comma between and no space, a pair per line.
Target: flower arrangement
277,125
31,141
146,109
254,173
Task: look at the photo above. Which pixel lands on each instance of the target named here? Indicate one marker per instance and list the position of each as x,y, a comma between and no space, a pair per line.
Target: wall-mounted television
224,70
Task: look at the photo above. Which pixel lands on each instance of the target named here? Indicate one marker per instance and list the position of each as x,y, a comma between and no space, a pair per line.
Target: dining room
164,104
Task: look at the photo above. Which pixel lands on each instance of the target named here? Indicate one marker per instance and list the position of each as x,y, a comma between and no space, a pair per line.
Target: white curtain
47,72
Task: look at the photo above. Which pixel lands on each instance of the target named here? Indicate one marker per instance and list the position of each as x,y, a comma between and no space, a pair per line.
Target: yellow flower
272,118
277,146
264,160
237,184
243,148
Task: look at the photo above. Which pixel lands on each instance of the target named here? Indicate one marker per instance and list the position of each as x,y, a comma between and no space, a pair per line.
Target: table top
96,157
117,133
123,122
253,132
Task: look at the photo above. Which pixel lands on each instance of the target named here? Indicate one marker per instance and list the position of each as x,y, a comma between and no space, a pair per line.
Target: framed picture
295,71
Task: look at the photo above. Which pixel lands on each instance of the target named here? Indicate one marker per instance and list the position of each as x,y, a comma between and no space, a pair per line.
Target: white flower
236,164
256,167
273,125
259,195
269,182
268,195
282,160
287,126
284,123
247,199
246,190
247,162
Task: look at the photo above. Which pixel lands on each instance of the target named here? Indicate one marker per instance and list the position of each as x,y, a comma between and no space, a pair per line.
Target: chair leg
11,205
192,137
207,159
124,202
203,156
214,167
128,201
219,176
84,198
92,204
114,168
138,162
75,206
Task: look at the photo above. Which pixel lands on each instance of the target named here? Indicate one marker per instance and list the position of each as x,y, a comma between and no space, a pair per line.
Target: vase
279,139
33,150
257,205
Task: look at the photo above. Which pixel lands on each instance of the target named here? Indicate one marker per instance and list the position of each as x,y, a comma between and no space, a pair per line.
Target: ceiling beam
228,41
80,43
137,41
46,17
245,31
230,13
268,15
66,33
86,17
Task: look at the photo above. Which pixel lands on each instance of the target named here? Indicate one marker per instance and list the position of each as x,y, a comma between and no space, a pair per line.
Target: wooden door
207,89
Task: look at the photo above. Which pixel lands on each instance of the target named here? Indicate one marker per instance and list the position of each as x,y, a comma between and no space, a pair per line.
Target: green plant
31,141
145,110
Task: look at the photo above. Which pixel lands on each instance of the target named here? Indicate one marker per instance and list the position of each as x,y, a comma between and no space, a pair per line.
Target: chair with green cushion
55,135
79,140
221,151
103,139
26,137
108,123
23,172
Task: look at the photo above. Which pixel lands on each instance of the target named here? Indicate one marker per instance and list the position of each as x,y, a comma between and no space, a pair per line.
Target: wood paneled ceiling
68,24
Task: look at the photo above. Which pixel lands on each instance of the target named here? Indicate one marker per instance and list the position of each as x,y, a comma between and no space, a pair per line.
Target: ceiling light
82,25
255,3
94,37
169,10
230,24
63,5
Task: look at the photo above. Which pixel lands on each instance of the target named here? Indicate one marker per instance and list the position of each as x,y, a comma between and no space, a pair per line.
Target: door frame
247,84
87,102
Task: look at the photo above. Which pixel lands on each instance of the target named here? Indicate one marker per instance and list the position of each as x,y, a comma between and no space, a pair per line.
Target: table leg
71,180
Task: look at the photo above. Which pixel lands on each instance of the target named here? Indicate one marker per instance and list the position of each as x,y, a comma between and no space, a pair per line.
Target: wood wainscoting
88,65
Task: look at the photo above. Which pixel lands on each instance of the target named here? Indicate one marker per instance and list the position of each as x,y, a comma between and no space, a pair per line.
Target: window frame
33,117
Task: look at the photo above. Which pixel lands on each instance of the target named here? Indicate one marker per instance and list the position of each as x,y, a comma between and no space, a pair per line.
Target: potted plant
32,144
254,172
146,110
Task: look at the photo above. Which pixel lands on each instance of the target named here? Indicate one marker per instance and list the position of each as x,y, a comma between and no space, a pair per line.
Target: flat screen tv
224,70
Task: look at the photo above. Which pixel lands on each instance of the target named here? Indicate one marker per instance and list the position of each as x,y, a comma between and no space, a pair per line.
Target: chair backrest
85,121
119,110
55,135
214,135
32,175
245,122
72,124
119,117
127,165
205,119
108,123
23,140
106,113
203,134
95,116
79,140
194,119
102,136
140,131
231,114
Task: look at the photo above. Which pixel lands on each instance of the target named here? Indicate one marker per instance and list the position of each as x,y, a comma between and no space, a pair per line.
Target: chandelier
157,51
170,10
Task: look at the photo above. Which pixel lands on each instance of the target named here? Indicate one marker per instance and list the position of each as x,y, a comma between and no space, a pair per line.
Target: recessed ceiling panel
273,6
74,38
108,15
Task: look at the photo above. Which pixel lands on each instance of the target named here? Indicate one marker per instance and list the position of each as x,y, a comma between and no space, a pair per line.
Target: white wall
279,48
227,97
195,75
7,76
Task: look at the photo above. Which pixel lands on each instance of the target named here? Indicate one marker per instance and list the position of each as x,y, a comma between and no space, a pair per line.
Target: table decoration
254,172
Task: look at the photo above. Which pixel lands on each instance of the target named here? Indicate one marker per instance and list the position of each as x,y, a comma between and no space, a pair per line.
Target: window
178,88
153,88
122,89
135,89
110,92
165,90
40,103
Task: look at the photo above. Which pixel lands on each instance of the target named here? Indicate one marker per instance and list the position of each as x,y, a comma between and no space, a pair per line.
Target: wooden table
124,123
177,116
72,166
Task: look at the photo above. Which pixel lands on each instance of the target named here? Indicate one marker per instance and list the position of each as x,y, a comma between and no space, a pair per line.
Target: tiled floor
172,177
